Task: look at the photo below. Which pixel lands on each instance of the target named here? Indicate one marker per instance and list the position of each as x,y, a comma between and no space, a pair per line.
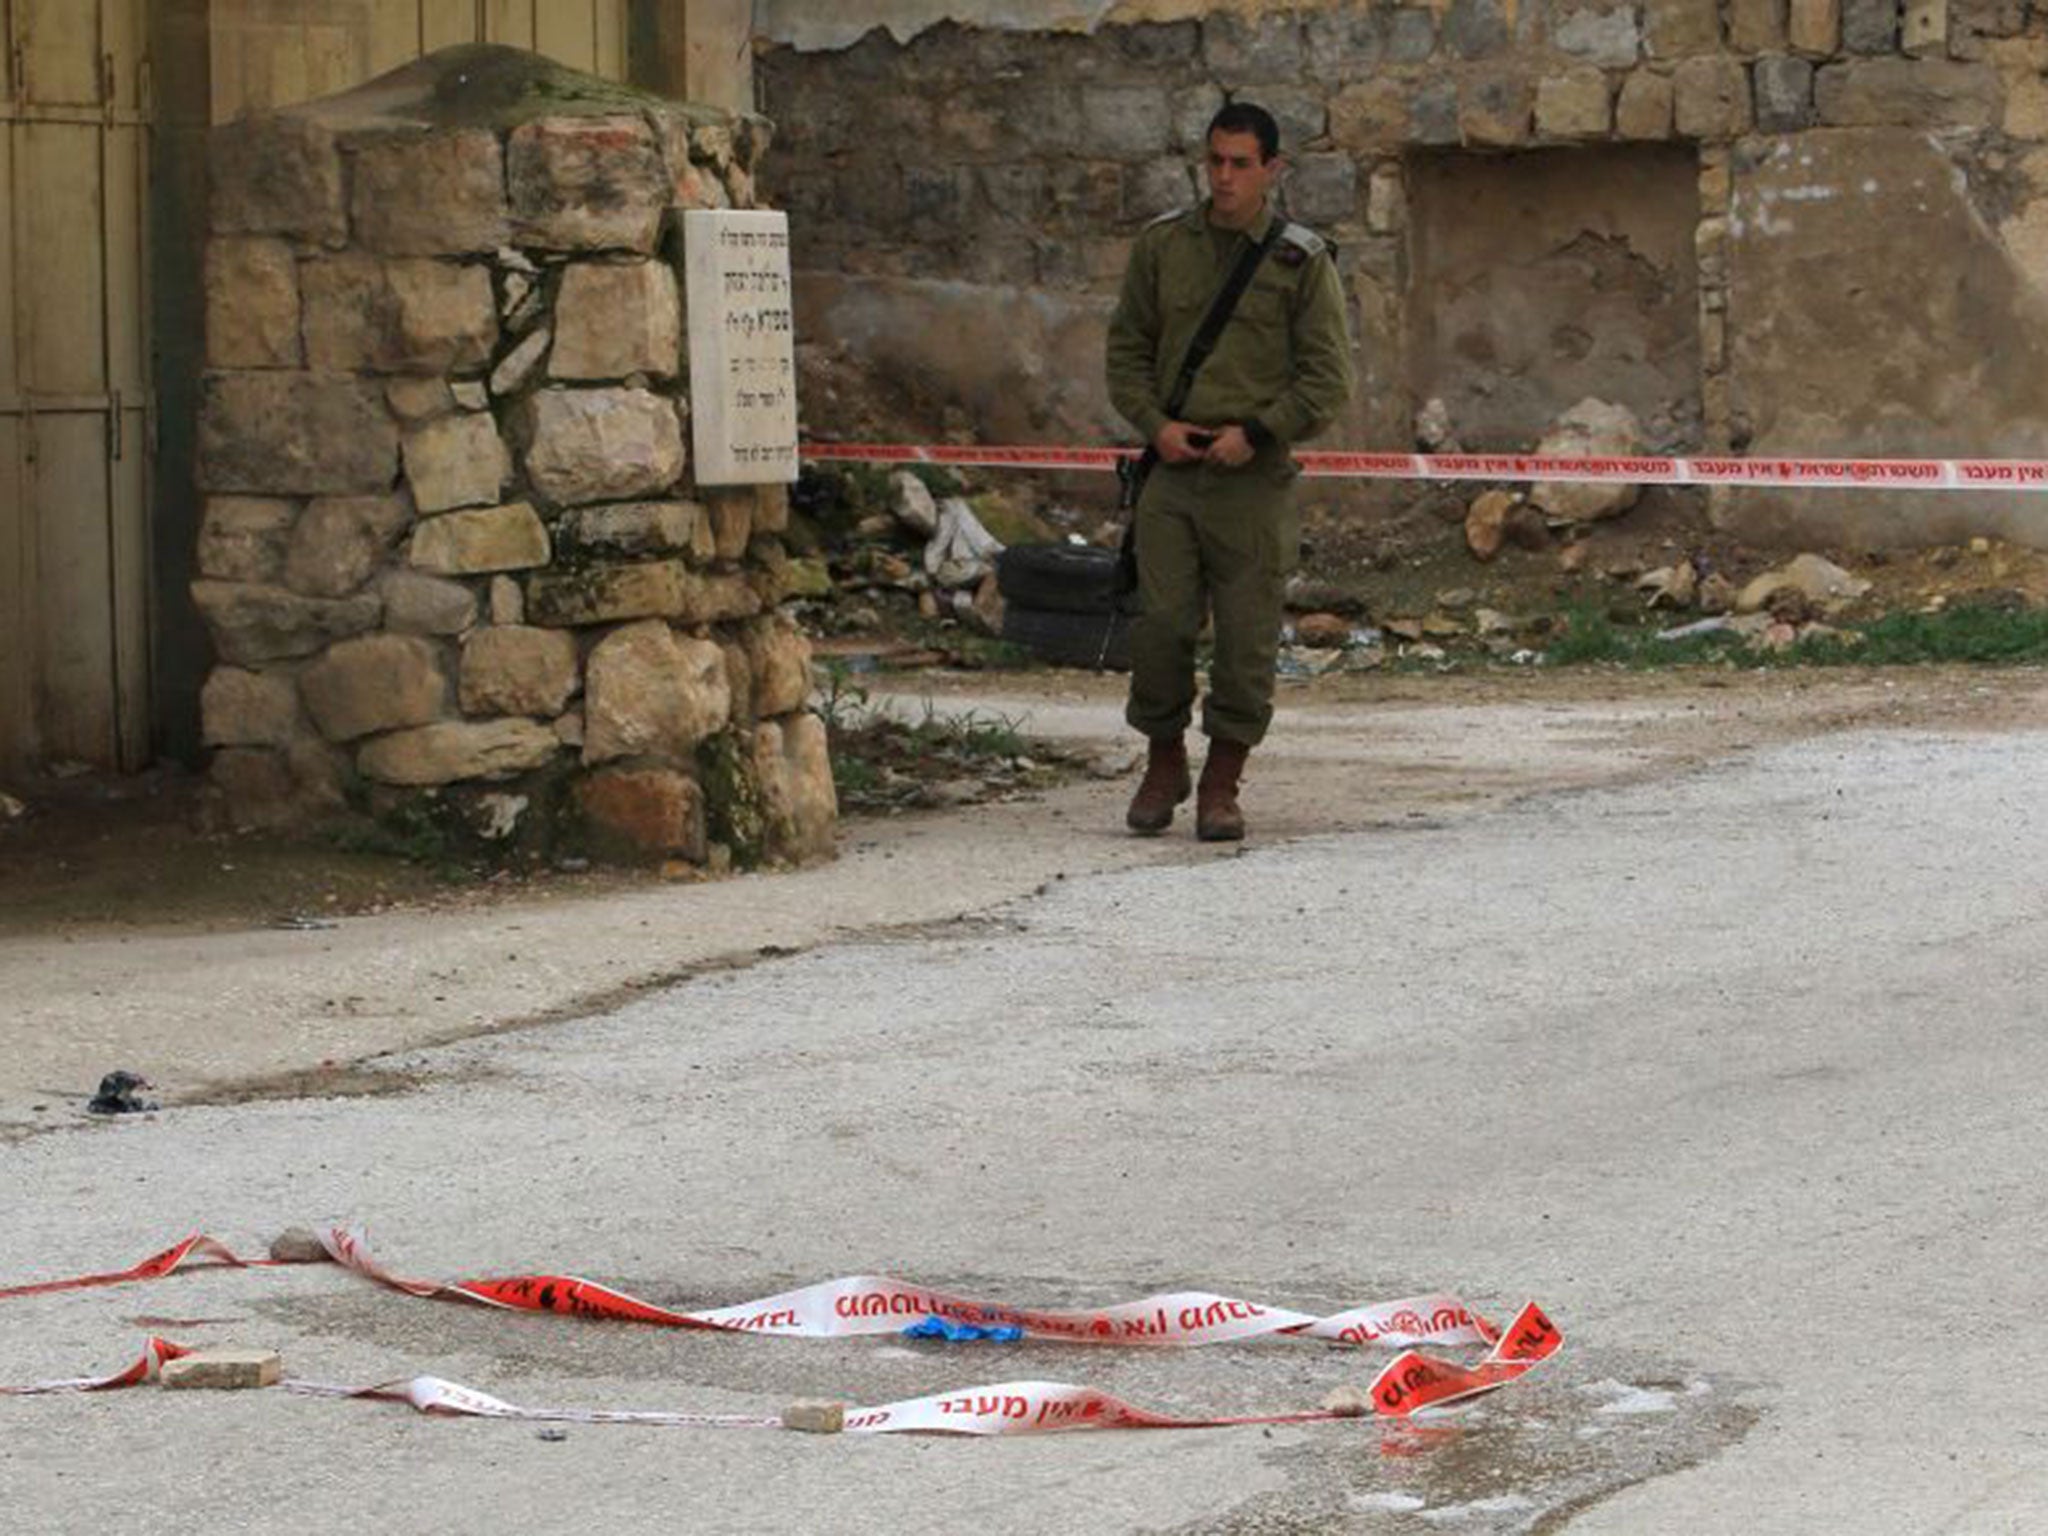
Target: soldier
1215,525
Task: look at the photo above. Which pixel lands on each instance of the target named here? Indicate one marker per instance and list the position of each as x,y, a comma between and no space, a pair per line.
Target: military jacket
1281,368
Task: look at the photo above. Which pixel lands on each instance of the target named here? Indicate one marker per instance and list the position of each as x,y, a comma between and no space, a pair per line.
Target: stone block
1679,29
238,708
251,623
295,434
1411,34
779,664
481,540
1784,94
607,594
415,400
1192,110
512,669
649,692
1710,99
252,304
739,680
439,194
1156,187
224,1369
716,599
1477,29
1644,108
612,320
649,813
1590,428
368,314
1908,93
1870,26
1433,112
1598,33
245,538
507,601
636,528
1574,105
272,174
1369,117
1125,122
794,768
339,541
418,604
585,445
457,461
815,1416
1923,30
731,514
375,683
1344,41
451,750
1238,49
1323,190
521,366
1814,26
1386,201
1494,110
771,508
1757,26
586,184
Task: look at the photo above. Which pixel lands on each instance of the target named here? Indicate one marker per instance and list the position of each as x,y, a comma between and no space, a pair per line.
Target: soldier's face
1239,176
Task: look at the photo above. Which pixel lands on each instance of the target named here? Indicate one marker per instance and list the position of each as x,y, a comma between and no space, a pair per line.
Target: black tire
1058,578
1071,639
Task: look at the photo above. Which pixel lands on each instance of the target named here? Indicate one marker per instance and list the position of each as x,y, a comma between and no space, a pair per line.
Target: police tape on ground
871,1304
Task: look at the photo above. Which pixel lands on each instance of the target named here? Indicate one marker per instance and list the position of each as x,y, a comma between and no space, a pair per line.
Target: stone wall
1845,200
453,562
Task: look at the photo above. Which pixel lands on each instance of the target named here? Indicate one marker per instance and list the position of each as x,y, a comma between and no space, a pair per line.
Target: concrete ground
1707,1016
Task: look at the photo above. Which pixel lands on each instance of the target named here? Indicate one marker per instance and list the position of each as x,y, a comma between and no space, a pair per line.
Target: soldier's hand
1173,445
1231,449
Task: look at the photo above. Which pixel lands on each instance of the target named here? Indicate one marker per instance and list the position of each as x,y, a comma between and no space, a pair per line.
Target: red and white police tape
872,1304
1805,474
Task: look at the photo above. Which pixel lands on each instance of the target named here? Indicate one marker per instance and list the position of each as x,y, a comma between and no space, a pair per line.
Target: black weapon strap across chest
1220,310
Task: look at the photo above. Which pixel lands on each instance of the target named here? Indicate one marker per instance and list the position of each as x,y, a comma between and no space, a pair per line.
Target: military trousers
1218,543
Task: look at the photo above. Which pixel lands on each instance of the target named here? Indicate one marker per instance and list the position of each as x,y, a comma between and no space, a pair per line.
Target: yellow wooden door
270,53
74,385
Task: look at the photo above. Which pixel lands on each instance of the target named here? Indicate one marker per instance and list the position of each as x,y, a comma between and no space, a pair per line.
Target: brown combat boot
1217,818
1165,785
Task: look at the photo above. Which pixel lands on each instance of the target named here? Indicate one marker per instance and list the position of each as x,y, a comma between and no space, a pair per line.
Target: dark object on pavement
552,1436
119,1095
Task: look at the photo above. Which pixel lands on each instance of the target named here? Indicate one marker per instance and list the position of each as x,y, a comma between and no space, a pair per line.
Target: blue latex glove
961,1333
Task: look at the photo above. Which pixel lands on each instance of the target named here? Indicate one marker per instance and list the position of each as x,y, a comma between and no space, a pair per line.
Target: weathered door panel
74,574
16,722
62,290
510,22
59,42
74,385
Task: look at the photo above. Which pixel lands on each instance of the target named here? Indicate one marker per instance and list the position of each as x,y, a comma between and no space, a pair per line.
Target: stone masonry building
1766,226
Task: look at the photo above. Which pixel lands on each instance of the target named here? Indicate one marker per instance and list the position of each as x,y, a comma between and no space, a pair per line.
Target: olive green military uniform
1209,537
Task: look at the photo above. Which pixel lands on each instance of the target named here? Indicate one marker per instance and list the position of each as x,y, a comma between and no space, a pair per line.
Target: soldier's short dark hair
1244,117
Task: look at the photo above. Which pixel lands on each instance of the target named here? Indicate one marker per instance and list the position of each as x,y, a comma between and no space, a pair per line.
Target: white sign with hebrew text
742,346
